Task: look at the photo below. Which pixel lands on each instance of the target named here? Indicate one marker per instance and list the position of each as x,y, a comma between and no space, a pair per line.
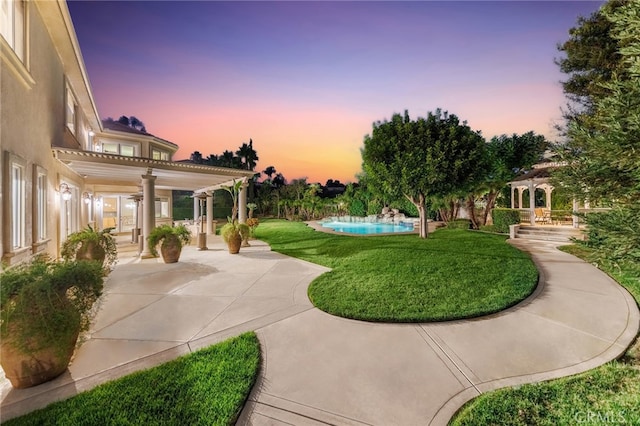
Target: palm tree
227,158
196,157
247,155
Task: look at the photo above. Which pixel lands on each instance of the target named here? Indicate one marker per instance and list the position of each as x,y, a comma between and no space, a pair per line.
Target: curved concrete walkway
319,369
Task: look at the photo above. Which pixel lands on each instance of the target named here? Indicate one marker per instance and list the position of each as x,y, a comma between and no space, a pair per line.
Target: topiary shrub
503,218
459,224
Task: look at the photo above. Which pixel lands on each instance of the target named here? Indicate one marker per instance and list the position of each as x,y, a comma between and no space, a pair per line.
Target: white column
513,202
532,203
242,203
148,212
574,217
520,191
210,213
547,192
196,209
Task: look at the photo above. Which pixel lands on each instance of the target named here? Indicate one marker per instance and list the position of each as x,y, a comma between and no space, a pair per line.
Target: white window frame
13,26
161,153
163,208
16,169
71,110
40,204
135,146
15,58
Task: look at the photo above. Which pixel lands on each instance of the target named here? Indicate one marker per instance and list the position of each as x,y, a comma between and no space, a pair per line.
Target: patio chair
542,215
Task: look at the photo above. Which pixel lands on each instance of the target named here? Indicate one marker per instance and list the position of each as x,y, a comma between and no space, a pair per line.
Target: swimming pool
363,228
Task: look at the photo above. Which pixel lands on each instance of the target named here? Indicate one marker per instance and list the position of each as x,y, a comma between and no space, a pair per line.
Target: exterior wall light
65,191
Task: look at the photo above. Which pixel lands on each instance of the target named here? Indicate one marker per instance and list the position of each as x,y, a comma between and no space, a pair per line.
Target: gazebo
539,178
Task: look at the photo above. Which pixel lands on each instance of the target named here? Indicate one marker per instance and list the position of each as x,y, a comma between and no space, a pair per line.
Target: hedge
502,218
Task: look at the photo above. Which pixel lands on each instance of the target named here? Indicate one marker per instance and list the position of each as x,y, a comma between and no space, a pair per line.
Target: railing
557,217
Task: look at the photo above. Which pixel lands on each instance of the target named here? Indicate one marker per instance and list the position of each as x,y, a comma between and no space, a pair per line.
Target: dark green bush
615,233
357,208
459,224
502,218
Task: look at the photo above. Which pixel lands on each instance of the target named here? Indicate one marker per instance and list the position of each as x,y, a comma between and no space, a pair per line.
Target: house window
40,203
127,150
12,25
156,154
71,111
162,207
17,210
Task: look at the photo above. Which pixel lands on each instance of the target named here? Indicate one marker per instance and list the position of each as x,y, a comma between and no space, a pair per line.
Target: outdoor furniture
542,215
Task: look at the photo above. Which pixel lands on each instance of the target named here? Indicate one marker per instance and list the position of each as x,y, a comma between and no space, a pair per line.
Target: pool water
367,227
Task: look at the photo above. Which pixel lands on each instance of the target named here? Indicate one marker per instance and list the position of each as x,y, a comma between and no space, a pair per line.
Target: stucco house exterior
62,167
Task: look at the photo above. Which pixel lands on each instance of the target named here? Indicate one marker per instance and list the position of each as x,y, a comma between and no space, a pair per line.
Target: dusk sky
306,80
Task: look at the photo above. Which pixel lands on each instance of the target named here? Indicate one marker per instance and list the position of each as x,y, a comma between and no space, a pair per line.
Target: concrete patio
319,369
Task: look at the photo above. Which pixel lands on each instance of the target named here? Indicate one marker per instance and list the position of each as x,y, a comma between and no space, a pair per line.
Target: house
62,167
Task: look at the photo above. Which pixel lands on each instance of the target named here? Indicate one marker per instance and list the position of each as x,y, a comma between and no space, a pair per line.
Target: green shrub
459,224
502,218
491,228
614,234
357,208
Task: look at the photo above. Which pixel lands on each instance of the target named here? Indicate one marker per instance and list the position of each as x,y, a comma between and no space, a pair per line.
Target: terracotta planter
90,250
170,249
26,370
234,243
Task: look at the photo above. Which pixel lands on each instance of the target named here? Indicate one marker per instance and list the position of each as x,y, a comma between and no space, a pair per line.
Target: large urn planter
233,233
44,306
171,240
89,244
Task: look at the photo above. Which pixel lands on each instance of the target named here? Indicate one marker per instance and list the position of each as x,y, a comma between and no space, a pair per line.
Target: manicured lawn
207,387
609,394
453,274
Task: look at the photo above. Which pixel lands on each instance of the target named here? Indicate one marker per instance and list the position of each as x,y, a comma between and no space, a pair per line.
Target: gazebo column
148,211
574,217
242,203
520,192
532,203
547,192
513,201
210,228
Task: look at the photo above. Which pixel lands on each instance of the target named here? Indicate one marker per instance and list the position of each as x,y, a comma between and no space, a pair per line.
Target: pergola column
532,203
196,209
148,211
242,203
210,229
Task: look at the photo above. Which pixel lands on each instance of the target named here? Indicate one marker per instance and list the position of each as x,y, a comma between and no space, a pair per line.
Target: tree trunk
422,212
491,201
471,211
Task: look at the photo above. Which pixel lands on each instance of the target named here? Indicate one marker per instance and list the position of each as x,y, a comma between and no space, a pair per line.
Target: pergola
98,168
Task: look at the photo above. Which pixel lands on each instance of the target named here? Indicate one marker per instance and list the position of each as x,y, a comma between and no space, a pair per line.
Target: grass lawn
609,394
207,387
453,274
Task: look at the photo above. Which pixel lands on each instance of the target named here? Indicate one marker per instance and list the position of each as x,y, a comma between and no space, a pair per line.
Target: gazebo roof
536,173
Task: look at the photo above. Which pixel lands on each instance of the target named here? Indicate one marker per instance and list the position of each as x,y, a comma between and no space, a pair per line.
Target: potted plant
90,244
233,233
171,240
44,305
252,223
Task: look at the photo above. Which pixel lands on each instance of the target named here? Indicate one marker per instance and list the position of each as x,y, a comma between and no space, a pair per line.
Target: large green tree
506,157
590,58
603,154
422,159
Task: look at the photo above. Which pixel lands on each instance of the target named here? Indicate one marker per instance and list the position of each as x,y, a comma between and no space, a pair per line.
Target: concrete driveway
319,369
